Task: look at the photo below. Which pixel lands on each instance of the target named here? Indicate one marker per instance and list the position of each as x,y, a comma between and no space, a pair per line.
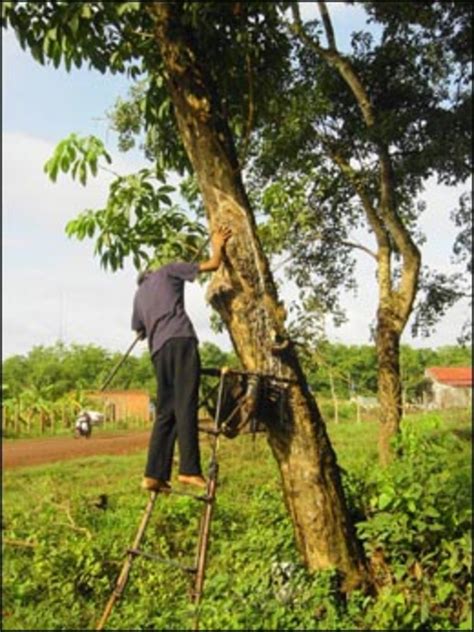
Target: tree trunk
244,294
389,384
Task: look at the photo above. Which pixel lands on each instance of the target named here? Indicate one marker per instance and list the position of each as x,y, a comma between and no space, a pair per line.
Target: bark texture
244,294
389,386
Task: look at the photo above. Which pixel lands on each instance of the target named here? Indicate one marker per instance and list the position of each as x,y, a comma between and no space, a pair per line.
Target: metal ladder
198,570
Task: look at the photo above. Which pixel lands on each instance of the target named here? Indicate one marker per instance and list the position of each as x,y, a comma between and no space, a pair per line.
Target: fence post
17,418
334,398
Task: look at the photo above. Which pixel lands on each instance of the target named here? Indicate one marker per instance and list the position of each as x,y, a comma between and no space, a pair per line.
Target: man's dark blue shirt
158,307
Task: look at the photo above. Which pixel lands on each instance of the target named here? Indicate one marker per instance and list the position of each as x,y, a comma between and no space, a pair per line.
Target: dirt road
26,452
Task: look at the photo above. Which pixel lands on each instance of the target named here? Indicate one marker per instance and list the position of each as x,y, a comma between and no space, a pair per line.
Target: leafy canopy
140,219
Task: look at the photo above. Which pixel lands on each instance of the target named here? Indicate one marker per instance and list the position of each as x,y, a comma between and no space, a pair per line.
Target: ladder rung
201,497
210,431
163,560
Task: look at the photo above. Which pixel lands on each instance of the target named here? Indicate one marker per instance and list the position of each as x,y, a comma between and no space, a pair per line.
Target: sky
53,287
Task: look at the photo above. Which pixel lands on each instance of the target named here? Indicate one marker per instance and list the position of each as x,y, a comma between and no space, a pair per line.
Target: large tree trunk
244,294
389,385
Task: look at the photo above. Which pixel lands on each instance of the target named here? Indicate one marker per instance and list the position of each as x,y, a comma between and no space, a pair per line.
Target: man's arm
218,241
137,322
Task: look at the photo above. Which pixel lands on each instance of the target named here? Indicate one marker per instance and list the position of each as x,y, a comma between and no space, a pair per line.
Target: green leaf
65,163
93,166
53,172
74,24
127,7
166,188
164,198
384,501
37,53
68,62
74,169
86,11
70,228
83,173
6,6
56,55
444,591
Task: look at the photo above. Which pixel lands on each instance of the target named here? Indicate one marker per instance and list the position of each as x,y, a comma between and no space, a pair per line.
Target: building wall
451,396
122,404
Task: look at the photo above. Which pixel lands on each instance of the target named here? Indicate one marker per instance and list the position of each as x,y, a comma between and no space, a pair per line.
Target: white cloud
29,195
436,253
52,286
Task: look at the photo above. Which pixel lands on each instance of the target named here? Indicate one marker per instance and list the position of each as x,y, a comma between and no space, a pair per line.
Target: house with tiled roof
448,387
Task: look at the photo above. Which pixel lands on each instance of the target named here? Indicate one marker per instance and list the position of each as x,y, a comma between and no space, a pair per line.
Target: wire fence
23,421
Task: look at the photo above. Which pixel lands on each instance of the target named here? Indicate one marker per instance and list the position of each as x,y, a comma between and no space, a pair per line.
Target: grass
62,553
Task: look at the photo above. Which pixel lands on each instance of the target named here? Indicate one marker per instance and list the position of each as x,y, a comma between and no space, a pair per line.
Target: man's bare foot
192,479
155,484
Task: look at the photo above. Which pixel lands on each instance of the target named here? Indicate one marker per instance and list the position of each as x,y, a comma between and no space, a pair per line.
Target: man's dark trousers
177,368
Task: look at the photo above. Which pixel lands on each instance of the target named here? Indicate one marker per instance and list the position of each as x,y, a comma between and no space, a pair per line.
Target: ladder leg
204,535
206,517
124,573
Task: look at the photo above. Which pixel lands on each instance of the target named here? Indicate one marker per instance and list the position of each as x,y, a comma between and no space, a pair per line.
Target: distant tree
213,356
85,365
450,355
14,375
142,374
462,249
353,369
353,138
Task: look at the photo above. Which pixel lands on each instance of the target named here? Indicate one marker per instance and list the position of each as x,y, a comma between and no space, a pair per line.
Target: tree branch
335,59
111,171
323,9
355,179
352,244
384,267
386,219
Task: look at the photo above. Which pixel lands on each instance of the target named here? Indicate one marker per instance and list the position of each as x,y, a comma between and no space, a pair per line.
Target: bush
417,531
62,553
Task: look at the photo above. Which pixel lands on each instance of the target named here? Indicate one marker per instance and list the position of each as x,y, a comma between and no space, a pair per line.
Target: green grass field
61,553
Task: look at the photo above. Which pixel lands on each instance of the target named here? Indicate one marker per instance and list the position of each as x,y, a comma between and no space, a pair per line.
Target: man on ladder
159,315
